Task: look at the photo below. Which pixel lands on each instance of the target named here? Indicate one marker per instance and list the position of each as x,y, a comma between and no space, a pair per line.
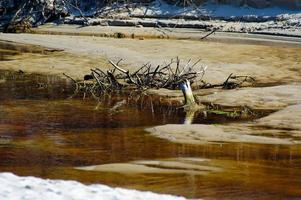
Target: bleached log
187,92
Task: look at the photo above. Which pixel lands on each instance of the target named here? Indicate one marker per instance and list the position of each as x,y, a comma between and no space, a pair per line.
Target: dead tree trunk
187,92
190,105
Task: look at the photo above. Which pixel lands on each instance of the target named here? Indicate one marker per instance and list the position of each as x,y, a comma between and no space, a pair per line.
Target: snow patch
30,188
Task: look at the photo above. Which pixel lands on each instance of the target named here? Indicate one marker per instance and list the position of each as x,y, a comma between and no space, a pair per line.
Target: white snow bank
13,187
159,7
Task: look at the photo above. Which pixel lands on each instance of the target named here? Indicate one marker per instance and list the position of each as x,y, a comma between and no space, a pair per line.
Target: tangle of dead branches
168,75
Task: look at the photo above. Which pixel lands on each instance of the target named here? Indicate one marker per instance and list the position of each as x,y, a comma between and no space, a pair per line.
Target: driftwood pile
169,75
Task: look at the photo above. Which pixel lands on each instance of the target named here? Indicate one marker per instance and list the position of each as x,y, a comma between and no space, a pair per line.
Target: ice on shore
14,187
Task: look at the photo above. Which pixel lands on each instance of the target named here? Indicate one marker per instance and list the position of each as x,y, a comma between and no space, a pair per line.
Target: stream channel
45,133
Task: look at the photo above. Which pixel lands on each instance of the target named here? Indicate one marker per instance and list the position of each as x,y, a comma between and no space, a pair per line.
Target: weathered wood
119,68
114,81
187,92
209,34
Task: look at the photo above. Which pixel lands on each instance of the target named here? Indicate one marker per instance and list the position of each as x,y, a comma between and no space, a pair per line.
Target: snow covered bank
209,11
215,10
30,188
160,13
225,18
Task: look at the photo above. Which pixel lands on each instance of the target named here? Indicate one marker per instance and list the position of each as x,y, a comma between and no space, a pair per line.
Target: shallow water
44,133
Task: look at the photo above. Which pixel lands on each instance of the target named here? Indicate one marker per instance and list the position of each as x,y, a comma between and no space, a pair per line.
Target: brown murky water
44,133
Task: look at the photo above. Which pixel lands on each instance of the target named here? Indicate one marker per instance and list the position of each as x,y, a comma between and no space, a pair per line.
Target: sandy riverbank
274,62
165,33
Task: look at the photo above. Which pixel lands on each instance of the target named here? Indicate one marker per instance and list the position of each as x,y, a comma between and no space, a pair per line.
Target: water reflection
44,133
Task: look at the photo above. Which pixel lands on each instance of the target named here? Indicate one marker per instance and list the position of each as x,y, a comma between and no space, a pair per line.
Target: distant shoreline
168,33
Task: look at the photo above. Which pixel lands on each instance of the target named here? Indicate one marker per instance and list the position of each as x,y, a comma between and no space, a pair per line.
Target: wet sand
268,63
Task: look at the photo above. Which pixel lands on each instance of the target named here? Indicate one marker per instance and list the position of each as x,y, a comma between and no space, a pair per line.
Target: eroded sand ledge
286,121
201,134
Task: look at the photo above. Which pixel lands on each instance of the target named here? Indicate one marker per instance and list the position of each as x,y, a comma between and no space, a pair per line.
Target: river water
45,133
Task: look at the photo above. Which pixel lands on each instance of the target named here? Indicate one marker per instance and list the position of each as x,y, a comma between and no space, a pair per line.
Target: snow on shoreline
227,18
161,8
14,187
